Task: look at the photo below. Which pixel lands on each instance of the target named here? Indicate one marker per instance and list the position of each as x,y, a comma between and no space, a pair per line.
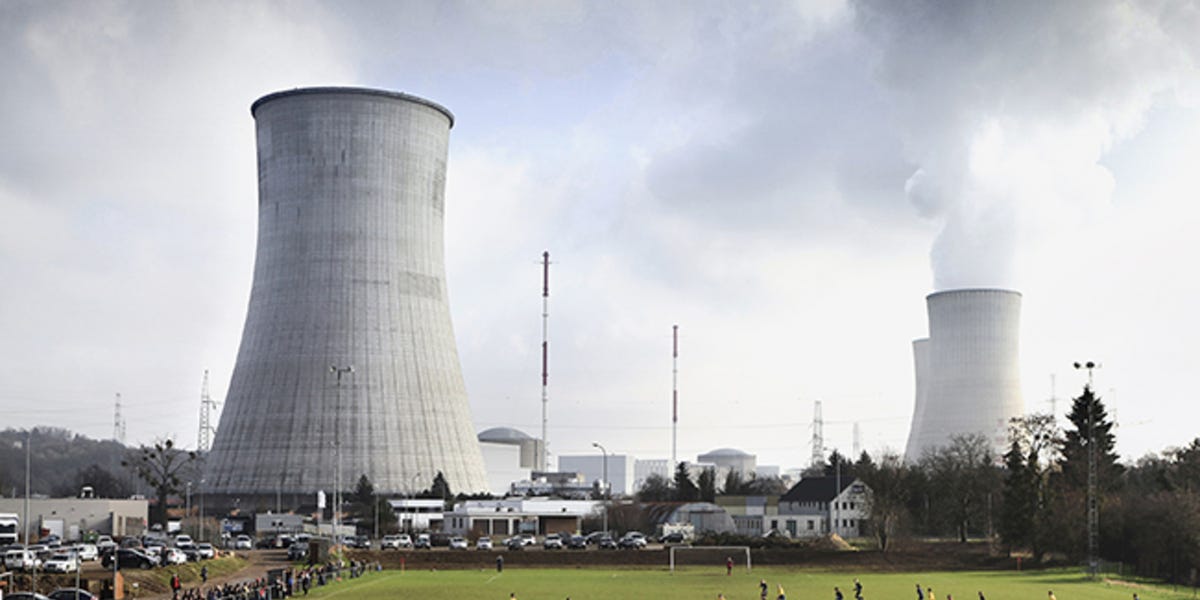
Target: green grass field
698,584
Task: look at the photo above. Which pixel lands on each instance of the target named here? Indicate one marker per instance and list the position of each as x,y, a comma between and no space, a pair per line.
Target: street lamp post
201,509
337,447
187,506
28,449
605,483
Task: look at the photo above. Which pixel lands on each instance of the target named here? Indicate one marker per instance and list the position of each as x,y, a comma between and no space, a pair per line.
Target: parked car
104,543
607,543
21,560
423,542
206,550
675,537
70,594
129,557
633,540
458,543
577,542
172,556
359,541
389,542
86,552
61,563
297,551
243,542
25,596
514,543
183,541
528,539
483,543
552,542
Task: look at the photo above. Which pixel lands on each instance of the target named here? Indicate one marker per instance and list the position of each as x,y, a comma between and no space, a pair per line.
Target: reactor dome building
348,364
967,372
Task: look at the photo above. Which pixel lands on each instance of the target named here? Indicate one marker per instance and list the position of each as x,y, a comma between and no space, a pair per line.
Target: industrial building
73,517
348,363
593,466
538,516
967,371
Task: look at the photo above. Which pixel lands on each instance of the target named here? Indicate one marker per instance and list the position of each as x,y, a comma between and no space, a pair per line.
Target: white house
817,506
418,514
509,516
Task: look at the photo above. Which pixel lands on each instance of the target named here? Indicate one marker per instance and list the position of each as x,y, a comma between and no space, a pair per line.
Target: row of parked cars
133,552
631,540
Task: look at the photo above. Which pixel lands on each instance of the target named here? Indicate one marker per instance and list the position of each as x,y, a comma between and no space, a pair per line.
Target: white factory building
621,469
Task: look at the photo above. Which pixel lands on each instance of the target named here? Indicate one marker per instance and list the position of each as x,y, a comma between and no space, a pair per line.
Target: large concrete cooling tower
967,374
349,273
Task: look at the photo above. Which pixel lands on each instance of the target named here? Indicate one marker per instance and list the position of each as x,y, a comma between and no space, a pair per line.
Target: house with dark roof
818,506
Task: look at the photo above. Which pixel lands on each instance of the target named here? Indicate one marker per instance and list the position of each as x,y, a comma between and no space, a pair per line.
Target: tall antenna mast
118,422
207,407
674,393
818,437
545,355
857,443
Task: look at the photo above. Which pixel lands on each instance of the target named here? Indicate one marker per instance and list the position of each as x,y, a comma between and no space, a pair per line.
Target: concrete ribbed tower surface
967,372
349,272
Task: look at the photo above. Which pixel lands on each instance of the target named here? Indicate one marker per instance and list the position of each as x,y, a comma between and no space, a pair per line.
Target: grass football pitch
701,583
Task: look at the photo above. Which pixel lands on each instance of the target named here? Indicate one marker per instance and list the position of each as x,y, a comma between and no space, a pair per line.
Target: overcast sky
786,181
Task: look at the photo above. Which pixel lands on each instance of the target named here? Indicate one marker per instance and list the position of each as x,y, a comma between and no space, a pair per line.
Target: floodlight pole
606,487
337,447
1093,509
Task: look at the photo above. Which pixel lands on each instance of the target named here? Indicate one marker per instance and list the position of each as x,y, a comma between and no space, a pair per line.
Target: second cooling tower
348,364
967,373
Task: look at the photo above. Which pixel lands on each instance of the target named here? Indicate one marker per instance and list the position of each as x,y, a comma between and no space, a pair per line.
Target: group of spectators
288,583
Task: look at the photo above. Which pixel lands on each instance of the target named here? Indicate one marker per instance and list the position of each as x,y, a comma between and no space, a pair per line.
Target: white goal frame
730,549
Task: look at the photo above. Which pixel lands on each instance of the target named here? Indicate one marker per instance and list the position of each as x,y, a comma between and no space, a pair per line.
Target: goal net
713,557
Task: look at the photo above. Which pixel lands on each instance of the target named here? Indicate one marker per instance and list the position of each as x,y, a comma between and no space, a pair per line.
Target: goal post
713,556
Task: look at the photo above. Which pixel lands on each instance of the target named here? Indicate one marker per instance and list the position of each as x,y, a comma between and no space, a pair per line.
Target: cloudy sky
784,180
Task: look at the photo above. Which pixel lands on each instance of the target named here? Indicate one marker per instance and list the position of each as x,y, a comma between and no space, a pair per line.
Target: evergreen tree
1020,499
708,485
733,483
685,488
835,461
1027,518
440,488
1089,408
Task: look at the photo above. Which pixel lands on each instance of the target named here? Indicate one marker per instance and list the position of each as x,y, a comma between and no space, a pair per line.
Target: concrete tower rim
331,90
973,290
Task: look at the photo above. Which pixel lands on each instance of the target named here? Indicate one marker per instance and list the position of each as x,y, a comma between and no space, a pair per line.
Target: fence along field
698,583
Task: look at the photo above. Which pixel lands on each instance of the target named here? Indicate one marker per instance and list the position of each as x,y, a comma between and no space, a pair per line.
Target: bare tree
889,484
160,466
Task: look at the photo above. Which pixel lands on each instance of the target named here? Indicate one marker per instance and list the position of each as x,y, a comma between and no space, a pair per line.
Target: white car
458,543
86,552
243,542
105,542
183,541
206,550
552,542
172,556
528,539
61,563
483,543
391,542
18,558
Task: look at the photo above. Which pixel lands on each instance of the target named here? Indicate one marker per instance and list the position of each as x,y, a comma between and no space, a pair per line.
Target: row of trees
683,488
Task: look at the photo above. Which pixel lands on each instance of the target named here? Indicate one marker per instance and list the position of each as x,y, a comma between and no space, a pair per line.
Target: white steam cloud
1008,108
